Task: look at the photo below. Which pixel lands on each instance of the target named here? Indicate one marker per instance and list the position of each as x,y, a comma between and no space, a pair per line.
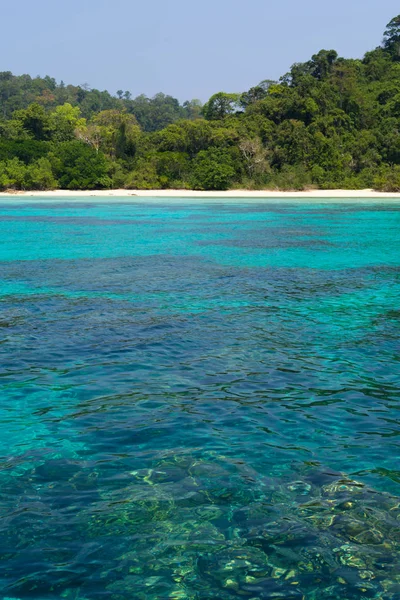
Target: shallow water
199,401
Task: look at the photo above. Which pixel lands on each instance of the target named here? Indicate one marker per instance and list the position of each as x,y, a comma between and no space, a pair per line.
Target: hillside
328,123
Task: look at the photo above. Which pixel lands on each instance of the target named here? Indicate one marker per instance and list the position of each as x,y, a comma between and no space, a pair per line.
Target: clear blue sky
187,49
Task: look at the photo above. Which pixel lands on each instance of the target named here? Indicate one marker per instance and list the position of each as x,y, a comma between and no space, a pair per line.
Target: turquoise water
199,401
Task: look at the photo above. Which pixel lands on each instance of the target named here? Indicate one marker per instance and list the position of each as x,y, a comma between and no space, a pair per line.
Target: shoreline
134,195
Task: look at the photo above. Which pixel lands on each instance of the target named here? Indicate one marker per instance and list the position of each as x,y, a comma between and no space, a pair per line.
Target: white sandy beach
181,194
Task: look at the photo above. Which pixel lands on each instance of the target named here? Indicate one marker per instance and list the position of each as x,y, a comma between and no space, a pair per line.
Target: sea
199,399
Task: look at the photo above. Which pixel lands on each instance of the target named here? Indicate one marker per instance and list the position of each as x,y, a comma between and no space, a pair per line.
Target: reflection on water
199,401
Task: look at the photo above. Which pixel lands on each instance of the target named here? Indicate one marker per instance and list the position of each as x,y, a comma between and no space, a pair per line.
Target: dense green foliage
330,123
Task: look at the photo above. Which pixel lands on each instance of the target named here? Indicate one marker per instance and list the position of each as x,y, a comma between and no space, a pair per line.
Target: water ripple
199,401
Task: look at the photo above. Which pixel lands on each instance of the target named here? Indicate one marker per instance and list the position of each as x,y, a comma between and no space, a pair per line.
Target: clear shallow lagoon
199,401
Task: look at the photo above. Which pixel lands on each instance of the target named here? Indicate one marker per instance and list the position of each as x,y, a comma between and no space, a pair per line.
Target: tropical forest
328,123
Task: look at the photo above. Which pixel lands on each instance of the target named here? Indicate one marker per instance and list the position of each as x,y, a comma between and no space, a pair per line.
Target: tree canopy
329,122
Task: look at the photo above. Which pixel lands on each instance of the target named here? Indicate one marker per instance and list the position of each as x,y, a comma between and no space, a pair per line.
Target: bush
213,169
294,178
172,167
13,175
388,180
144,177
159,170
26,151
40,175
78,166
117,174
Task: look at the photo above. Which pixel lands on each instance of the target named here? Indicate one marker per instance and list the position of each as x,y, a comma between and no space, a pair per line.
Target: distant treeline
328,123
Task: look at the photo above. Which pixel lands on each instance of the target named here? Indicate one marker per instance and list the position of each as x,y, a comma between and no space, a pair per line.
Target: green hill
329,123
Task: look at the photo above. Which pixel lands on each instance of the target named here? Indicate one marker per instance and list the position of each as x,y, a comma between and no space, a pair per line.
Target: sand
182,194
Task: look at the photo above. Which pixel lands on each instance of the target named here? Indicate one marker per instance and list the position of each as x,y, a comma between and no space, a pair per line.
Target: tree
254,156
26,150
64,121
253,95
221,105
34,120
13,130
153,114
13,175
391,38
91,135
257,93
199,135
144,176
192,109
79,167
40,175
321,64
172,168
213,170
118,132
185,136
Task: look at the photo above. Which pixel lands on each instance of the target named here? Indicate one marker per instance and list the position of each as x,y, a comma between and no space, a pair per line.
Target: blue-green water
199,401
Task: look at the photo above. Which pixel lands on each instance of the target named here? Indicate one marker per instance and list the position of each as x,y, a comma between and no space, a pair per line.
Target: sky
183,48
